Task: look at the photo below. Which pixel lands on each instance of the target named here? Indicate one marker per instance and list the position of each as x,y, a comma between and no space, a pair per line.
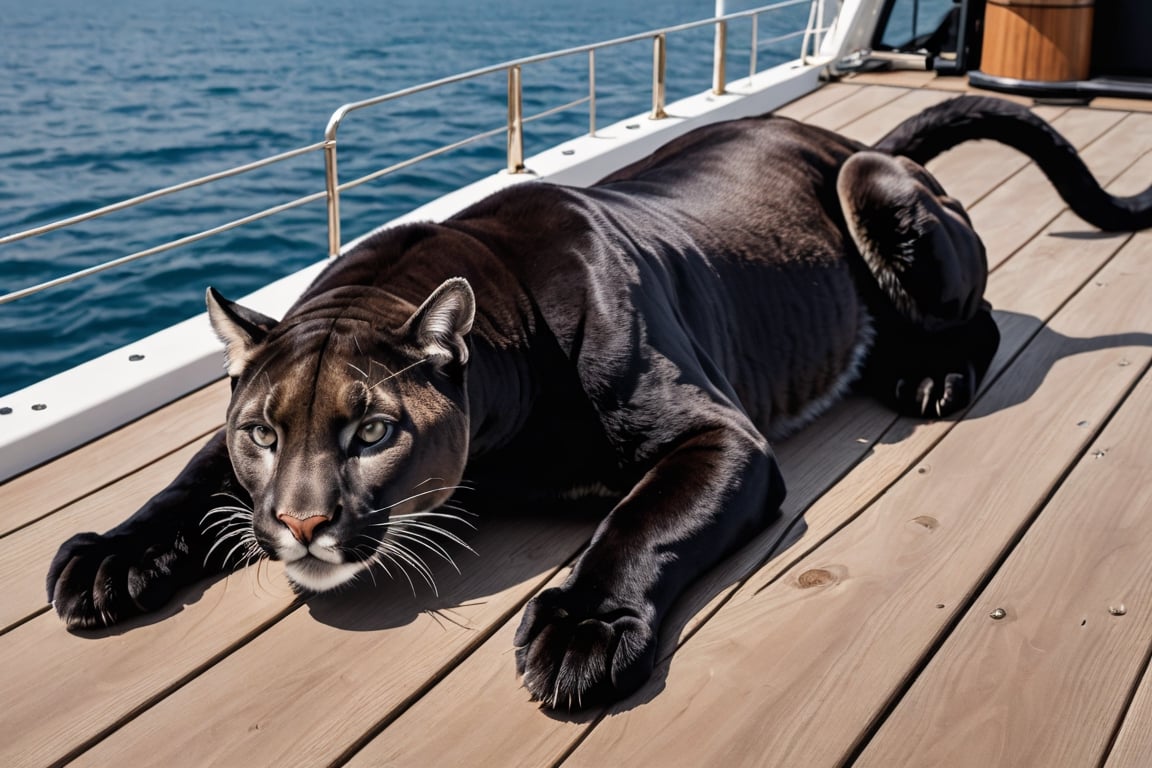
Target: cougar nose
301,529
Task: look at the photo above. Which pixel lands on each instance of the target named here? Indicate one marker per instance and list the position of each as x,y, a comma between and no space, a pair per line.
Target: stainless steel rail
514,129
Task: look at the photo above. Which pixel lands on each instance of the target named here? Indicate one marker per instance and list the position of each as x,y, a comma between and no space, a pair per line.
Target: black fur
650,334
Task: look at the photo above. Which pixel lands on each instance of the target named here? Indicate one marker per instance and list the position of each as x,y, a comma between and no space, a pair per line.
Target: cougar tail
966,118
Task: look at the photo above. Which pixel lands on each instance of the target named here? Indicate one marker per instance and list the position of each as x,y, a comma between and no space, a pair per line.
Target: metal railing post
821,12
592,92
720,52
809,32
515,122
332,182
659,64
755,46
719,59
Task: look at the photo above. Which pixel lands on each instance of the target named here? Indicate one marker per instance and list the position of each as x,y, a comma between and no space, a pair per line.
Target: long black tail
966,118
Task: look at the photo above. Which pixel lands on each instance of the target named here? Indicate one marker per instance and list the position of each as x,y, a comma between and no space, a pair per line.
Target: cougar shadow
507,546
1021,373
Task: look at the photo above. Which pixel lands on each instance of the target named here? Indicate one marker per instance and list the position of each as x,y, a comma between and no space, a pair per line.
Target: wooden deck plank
853,106
1123,104
906,78
780,648
960,85
808,105
24,499
931,80
1133,745
993,695
873,126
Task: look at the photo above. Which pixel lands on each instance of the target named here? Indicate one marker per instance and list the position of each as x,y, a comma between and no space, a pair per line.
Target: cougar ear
440,324
241,329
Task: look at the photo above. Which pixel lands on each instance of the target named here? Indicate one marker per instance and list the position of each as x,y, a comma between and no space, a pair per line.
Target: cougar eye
263,435
372,432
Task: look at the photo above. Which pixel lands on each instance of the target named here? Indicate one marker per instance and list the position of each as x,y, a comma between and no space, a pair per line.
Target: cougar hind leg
935,336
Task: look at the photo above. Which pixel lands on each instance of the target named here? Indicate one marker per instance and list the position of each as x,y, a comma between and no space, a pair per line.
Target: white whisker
458,508
421,526
402,370
418,495
239,501
233,518
375,559
422,518
240,531
253,555
221,510
380,554
400,553
428,544
228,557
428,513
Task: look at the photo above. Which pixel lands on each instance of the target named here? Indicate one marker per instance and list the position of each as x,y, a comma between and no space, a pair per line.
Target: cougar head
348,425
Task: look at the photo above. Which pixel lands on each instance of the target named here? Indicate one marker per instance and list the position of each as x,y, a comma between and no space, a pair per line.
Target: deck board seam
24,620
111,482
148,703
1133,689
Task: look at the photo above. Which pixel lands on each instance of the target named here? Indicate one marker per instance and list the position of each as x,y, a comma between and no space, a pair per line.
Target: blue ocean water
104,101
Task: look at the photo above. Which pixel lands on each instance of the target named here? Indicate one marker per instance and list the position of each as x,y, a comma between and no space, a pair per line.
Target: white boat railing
811,36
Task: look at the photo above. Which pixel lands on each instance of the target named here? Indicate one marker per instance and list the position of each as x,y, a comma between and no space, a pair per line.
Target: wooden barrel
1046,40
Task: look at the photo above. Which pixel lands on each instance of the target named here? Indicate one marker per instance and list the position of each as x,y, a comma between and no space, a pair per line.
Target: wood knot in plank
926,521
815,577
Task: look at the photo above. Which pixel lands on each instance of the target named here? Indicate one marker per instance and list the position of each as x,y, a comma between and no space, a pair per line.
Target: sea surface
104,101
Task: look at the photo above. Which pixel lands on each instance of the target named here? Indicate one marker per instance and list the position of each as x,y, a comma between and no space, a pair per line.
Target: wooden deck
972,592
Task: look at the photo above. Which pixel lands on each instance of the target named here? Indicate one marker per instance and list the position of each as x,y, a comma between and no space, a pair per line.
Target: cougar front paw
97,581
571,652
934,395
